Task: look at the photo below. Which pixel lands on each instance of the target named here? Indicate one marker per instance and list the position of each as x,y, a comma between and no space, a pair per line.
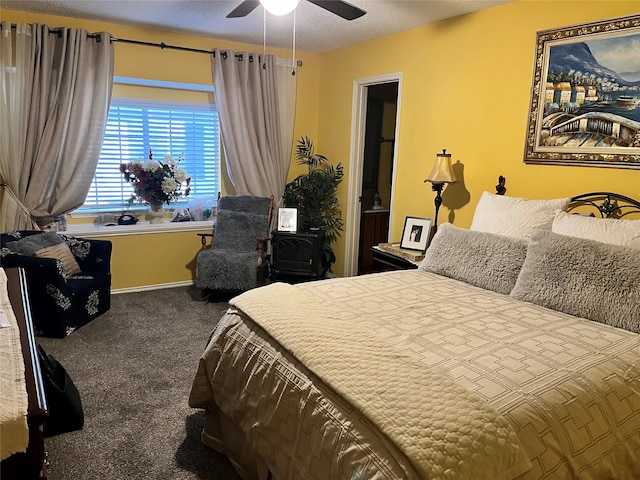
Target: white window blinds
188,130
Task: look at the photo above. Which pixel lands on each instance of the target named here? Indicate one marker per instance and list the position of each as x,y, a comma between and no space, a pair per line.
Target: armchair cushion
238,231
30,244
62,253
91,255
227,270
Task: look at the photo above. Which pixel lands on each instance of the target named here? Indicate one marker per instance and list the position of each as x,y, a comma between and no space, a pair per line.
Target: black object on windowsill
127,220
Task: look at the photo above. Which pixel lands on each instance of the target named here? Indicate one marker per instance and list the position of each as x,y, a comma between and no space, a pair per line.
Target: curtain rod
161,45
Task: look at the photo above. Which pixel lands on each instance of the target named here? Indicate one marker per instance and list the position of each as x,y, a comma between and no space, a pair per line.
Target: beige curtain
60,90
255,98
14,114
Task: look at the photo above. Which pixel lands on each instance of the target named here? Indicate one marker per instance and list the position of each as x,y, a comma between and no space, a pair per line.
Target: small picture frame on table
416,232
288,219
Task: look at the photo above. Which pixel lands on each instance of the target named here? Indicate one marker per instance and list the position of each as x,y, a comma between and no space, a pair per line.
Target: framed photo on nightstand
415,234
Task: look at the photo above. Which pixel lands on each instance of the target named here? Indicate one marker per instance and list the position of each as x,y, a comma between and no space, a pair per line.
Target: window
183,129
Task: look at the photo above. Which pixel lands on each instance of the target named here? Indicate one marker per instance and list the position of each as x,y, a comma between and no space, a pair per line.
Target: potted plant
314,195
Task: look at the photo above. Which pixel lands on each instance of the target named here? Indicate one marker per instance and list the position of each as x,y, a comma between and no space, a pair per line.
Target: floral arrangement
156,182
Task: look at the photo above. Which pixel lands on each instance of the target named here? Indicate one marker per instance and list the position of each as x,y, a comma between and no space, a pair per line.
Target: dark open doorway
377,174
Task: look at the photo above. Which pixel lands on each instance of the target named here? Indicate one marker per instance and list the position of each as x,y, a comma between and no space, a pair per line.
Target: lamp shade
442,170
279,7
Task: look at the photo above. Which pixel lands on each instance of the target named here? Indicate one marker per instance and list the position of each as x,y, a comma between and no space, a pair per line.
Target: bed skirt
221,435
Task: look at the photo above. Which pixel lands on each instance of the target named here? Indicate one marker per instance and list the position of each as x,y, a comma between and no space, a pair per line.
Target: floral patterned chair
69,279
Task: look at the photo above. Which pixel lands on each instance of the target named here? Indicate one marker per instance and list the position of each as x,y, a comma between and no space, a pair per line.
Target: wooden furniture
32,464
297,256
203,238
374,229
241,236
383,261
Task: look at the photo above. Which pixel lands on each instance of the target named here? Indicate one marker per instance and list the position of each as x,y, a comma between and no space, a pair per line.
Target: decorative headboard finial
606,204
500,188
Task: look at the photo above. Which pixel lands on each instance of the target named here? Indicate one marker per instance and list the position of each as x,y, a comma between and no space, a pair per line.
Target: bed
512,352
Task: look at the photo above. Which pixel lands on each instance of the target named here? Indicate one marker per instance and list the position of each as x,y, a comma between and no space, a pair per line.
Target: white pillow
513,216
606,230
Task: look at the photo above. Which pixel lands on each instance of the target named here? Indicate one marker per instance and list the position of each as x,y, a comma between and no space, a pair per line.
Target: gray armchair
236,260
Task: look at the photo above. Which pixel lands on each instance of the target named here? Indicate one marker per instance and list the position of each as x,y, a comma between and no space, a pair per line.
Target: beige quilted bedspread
447,431
569,388
14,432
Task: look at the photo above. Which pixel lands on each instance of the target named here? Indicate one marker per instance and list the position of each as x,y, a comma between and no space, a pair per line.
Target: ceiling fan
337,7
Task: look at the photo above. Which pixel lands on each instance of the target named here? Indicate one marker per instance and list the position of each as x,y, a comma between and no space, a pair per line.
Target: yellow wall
466,88
153,259
449,100
143,260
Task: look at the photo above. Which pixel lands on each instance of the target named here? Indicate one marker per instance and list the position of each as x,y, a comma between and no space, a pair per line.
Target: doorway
372,165
377,173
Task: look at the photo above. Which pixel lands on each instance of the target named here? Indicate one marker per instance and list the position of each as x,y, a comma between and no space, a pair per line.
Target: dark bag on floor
63,398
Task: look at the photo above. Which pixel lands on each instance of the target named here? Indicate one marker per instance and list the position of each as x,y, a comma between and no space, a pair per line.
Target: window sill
141,228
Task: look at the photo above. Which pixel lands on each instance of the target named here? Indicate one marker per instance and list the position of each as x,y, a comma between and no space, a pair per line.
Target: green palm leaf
314,195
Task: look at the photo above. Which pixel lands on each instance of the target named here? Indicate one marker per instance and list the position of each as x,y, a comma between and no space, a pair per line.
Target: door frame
356,164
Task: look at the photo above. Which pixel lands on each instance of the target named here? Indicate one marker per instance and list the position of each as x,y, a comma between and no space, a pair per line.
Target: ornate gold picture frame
585,97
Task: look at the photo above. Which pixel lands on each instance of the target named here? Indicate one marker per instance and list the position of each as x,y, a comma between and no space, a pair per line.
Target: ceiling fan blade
244,9
340,8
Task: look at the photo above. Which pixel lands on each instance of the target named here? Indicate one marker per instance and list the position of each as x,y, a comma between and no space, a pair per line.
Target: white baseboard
158,286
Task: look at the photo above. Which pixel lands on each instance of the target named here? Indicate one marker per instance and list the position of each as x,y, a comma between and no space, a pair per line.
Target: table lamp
442,173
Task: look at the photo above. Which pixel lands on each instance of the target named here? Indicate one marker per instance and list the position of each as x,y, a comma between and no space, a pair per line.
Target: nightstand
384,261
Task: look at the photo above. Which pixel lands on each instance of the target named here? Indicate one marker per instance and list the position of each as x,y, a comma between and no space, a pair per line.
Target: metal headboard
500,188
607,204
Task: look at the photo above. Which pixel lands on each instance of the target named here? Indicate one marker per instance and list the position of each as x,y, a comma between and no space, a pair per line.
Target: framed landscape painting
585,97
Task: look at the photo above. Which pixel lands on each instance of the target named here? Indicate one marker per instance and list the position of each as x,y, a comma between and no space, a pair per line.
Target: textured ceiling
316,29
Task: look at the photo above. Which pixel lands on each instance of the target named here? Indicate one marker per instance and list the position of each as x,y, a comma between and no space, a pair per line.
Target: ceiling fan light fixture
279,7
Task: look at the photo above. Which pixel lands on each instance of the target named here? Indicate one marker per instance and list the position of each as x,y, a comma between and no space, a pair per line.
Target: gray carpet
133,367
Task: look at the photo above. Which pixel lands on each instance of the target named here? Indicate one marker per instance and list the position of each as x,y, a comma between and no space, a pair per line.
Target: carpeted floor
133,367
